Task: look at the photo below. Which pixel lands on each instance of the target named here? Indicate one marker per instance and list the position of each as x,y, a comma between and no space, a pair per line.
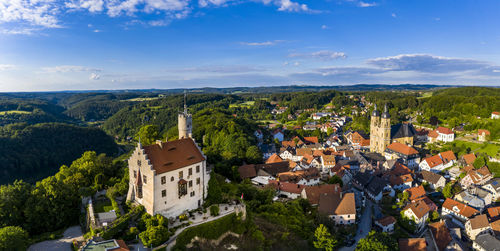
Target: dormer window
455,208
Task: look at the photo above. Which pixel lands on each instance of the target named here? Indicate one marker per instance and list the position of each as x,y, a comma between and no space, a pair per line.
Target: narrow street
364,226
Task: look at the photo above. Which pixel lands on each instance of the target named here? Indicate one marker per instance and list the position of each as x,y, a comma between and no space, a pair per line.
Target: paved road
63,244
364,226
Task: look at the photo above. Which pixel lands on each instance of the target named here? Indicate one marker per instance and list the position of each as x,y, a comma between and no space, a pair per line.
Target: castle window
197,181
139,192
135,174
181,175
139,162
190,183
182,186
144,179
163,180
172,179
197,169
190,171
163,193
192,193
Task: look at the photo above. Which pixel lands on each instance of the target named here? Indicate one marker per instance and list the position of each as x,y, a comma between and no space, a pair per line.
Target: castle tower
385,127
185,122
374,124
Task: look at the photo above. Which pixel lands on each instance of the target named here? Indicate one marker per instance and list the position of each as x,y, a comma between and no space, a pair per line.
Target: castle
169,178
383,134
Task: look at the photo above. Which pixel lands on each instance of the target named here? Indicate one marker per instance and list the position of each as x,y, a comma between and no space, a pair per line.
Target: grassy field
13,112
425,95
103,206
141,99
490,149
244,104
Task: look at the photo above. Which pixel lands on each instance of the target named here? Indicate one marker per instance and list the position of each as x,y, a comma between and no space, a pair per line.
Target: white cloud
33,12
97,31
94,76
287,5
322,55
91,5
324,27
6,67
394,15
366,4
69,68
265,43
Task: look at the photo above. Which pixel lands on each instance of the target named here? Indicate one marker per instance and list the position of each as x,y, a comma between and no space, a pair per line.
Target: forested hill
32,152
31,111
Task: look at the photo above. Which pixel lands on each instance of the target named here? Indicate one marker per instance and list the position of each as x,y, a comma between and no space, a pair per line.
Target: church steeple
386,114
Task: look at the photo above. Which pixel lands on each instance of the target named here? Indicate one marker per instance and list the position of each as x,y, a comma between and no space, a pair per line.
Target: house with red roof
457,209
445,134
495,115
407,154
439,162
482,134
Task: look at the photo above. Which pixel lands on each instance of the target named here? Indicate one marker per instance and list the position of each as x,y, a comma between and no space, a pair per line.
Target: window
135,174
181,175
191,194
197,181
139,192
197,169
139,162
182,188
190,183
172,179
349,216
144,179
163,180
190,171
163,193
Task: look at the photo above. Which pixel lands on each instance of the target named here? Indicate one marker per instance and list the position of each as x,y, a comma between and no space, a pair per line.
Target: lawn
13,112
425,95
244,104
488,148
141,99
103,206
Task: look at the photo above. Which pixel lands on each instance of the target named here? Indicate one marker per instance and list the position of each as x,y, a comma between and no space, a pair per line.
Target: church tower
374,124
185,122
385,127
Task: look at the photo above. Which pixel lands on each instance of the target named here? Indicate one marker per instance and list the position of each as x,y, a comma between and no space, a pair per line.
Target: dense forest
32,152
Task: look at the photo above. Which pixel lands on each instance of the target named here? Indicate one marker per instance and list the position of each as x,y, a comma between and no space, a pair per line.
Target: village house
434,163
372,185
495,115
482,134
413,244
312,193
286,189
418,212
477,225
407,154
386,224
493,186
457,209
494,213
340,208
434,180
307,177
475,197
441,237
476,177
401,182
467,159
445,134
271,169
486,242
278,135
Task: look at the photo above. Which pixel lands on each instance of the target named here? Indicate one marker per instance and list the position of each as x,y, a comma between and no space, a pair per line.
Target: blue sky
131,44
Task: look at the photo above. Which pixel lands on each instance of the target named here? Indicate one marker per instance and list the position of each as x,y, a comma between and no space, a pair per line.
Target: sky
54,45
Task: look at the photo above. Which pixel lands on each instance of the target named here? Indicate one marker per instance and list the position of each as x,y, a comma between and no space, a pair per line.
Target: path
364,226
63,244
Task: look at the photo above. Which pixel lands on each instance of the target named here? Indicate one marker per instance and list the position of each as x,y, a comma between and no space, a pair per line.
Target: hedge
211,230
122,223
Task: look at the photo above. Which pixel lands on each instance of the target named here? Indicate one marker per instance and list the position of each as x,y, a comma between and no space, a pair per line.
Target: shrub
214,210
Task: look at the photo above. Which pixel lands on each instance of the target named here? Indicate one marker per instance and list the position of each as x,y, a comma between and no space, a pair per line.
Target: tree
377,241
324,239
434,216
253,155
214,210
335,180
147,134
214,191
154,236
447,190
13,238
479,162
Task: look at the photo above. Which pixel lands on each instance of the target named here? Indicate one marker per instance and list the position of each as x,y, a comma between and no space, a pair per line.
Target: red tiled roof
462,208
433,134
347,205
386,221
286,186
311,139
121,246
494,212
448,156
313,192
481,131
172,155
441,234
469,158
480,221
402,148
495,226
419,208
444,130
496,113
415,192
247,171
274,159
412,244
434,161
398,180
